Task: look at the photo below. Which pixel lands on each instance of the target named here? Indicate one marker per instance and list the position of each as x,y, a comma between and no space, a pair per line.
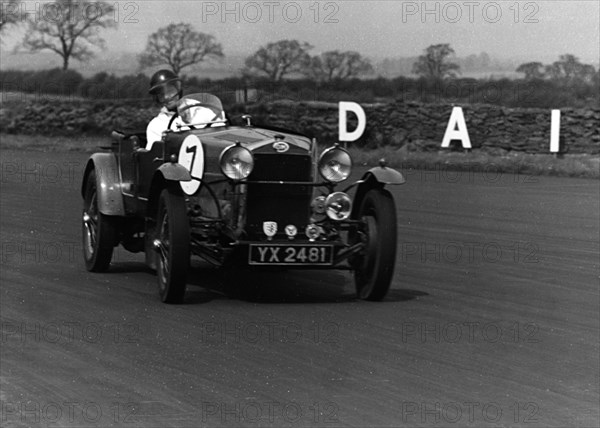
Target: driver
165,88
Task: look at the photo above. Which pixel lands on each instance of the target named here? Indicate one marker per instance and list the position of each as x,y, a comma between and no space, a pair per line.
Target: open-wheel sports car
244,196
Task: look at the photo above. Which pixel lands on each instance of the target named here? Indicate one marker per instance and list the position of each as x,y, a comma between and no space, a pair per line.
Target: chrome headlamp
338,206
335,164
236,162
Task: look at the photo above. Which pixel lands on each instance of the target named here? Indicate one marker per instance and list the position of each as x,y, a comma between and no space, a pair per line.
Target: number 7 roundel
191,157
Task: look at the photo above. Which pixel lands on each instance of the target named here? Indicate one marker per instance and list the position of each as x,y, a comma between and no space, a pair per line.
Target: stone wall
414,126
72,117
421,127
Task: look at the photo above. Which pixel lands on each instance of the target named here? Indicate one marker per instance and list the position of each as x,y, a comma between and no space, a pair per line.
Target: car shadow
289,286
280,286
204,284
129,267
403,294
207,283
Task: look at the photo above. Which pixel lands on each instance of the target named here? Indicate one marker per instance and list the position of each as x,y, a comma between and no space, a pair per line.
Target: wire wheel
99,231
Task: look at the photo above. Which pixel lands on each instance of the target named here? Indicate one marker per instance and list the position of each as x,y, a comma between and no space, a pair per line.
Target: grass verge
43,143
586,166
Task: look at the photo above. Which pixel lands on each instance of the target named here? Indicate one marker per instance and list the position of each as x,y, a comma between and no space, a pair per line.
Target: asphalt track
492,319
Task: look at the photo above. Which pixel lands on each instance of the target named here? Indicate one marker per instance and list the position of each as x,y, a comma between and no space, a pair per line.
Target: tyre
374,266
172,243
99,231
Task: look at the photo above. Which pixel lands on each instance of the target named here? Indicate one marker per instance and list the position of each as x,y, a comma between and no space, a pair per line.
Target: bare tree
10,14
334,65
179,46
279,59
434,63
69,28
532,70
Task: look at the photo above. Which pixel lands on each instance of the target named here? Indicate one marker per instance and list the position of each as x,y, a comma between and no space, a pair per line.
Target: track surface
492,319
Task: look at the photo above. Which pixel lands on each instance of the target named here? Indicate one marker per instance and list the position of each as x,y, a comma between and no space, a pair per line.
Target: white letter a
452,133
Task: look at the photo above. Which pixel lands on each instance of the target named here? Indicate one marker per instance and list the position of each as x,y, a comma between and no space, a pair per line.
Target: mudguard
174,172
167,175
108,183
376,177
385,175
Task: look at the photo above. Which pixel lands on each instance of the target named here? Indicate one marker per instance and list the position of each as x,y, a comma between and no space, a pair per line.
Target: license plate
282,254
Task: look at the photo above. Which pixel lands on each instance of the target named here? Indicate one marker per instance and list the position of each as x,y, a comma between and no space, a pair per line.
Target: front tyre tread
374,270
173,233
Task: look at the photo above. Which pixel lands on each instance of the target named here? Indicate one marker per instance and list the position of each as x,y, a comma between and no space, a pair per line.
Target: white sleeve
154,131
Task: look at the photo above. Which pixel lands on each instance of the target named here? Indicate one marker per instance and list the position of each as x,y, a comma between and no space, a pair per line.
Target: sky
528,30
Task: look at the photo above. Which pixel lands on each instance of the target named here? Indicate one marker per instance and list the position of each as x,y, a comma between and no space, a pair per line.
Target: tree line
72,34
568,69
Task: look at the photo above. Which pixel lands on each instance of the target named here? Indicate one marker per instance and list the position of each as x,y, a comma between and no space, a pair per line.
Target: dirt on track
492,318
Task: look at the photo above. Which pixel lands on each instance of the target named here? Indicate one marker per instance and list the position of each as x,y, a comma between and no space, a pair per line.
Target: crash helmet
165,87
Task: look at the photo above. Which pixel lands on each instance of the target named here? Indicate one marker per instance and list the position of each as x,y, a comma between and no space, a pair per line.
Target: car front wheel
374,266
172,243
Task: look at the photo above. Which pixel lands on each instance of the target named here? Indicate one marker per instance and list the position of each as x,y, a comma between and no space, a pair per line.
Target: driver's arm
154,130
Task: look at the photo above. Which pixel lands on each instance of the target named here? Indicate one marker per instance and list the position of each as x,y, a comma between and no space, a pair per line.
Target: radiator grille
282,203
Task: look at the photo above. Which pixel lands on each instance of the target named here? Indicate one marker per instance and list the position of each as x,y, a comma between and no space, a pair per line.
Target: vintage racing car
244,196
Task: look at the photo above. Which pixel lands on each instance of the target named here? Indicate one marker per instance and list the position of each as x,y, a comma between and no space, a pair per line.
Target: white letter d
344,107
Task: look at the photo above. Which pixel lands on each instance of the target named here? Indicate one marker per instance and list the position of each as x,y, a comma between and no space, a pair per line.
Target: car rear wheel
172,243
374,266
99,230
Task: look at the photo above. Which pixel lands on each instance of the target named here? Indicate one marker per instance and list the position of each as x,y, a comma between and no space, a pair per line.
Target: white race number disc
191,156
